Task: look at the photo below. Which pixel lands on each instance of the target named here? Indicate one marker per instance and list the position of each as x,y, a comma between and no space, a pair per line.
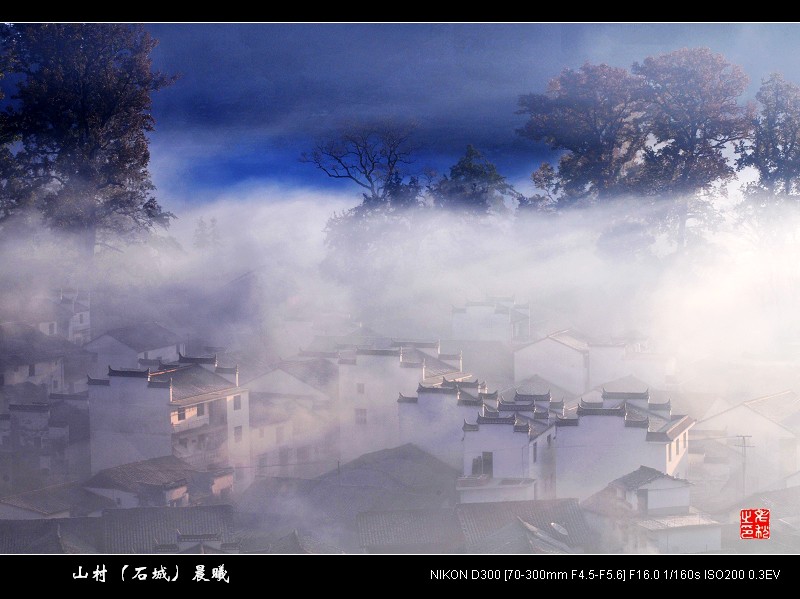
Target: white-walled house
65,314
194,410
611,432
509,450
432,418
647,511
577,363
315,378
370,380
125,347
295,429
29,356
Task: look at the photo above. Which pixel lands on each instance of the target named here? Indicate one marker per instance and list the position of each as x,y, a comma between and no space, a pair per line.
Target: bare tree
374,157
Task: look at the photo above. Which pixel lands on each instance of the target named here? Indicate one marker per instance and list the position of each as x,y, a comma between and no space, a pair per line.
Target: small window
237,402
80,318
146,354
678,446
183,442
31,369
685,440
52,328
55,384
534,452
360,388
201,409
237,434
549,440
201,440
669,452
361,416
181,413
279,435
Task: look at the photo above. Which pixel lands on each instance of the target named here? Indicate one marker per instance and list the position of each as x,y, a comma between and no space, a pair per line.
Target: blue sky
252,97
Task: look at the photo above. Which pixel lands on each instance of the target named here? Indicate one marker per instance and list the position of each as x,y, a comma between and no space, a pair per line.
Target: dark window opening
487,462
201,409
31,369
361,416
237,402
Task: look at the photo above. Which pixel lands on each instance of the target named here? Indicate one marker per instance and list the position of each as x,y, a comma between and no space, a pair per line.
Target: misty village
498,289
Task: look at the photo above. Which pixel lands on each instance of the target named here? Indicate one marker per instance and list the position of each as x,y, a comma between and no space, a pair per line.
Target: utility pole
744,447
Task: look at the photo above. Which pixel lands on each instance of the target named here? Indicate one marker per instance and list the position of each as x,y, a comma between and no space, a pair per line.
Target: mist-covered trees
664,130
773,149
380,160
474,186
79,118
592,115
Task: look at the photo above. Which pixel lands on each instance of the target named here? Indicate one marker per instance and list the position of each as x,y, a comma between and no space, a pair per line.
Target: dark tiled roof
639,477
409,529
479,520
68,497
407,399
191,380
404,477
521,537
140,530
437,389
197,359
165,471
51,535
145,336
669,429
319,373
624,387
299,541
137,373
30,536
537,386
23,344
